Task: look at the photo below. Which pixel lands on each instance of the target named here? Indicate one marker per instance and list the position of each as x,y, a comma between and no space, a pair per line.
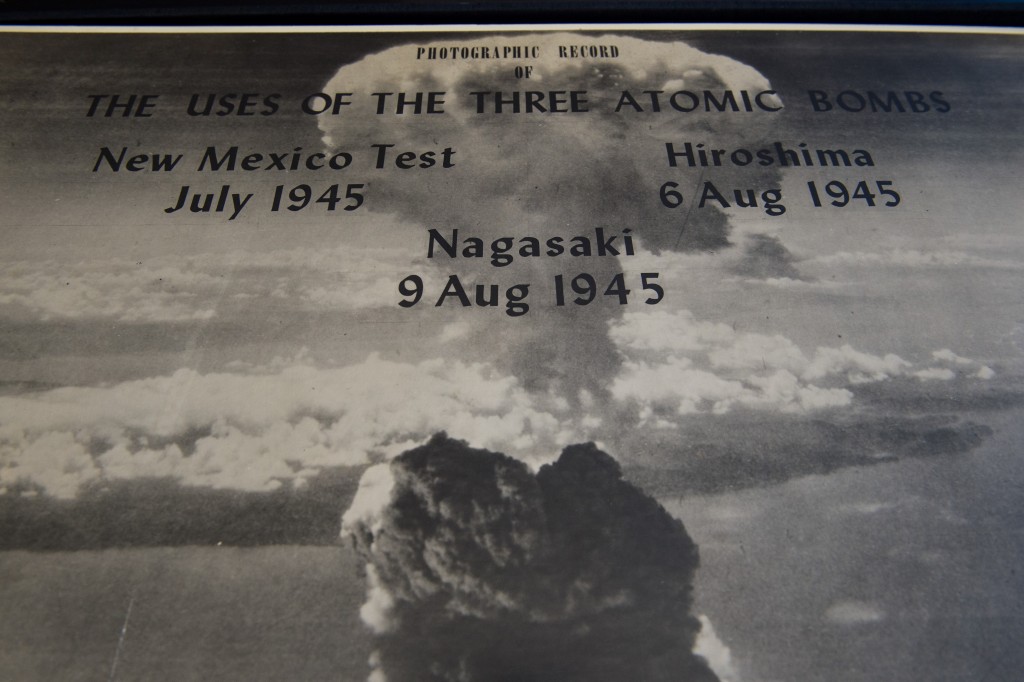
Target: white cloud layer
676,364
109,289
913,258
185,288
254,431
854,612
713,650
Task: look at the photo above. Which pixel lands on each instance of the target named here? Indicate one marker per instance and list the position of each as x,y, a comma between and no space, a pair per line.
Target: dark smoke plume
481,570
766,257
552,174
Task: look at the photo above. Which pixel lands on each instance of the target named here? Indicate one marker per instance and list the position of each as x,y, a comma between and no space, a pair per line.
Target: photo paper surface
605,353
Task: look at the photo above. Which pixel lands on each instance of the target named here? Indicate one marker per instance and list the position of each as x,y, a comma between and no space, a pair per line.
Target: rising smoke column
480,570
551,174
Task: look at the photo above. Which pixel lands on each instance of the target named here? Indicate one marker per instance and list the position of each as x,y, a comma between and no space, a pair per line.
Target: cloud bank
676,364
261,428
257,431
915,258
198,287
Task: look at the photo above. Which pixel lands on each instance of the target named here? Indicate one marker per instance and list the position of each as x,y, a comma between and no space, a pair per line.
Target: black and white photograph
612,353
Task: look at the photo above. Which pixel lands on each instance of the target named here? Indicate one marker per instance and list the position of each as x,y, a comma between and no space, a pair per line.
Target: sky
253,354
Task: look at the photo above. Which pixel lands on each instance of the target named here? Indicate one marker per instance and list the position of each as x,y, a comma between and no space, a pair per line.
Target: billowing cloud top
480,570
547,170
